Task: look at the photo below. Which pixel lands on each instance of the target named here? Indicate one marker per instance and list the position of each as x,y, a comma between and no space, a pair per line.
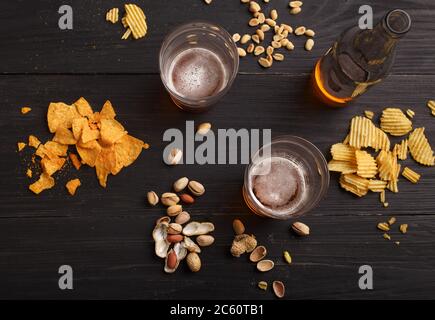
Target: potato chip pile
99,139
134,21
361,171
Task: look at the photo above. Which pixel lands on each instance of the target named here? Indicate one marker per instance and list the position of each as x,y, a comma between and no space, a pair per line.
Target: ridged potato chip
377,185
136,20
369,114
352,183
343,152
411,175
342,166
366,164
112,15
431,106
395,122
387,163
401,149
420,148
363,134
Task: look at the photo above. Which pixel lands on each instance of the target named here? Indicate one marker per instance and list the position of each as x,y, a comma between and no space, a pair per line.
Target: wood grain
95,46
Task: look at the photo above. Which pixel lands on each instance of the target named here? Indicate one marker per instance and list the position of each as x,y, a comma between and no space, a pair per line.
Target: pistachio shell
258,254
196,228
169,199
278,289
265,265
165,219
180,184
159,235
190,245
174,228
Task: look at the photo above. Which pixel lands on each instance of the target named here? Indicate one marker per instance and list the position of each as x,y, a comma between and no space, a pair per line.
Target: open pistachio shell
180,250
258,254
278,289
265,265
159,235
196,228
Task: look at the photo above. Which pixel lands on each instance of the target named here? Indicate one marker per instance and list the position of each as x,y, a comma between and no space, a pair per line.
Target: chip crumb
403,228
25,110
391,221
411,175
29,173
410,113
112,15
34,142
21,146
387,236
369,114
75,161
72,186
431,106
146,146
45,182
386,204
397,242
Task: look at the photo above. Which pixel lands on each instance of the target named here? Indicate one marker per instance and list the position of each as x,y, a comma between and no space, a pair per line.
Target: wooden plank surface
105,234
94,46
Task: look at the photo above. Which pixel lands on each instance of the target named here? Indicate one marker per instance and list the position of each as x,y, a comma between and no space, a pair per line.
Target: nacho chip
343,152
89,134
342,166
377,185
107,111
72,186
45,182
127,150
395,122
56,148
21,146
420,148
77,127
411,175
136,20
111,131
60,114
50,166
83,107
64,136
366,164
352,183
29,173
34,142
89,152
75,161
25,110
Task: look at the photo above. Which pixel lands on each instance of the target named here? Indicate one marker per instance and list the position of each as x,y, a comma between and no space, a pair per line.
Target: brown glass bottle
359,59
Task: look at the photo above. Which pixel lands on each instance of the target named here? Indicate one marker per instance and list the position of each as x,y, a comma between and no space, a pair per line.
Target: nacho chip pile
99,141
362,171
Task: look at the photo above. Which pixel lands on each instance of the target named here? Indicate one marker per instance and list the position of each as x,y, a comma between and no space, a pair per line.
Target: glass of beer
198,63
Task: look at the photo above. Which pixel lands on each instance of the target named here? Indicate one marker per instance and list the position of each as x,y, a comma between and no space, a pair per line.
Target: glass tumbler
285,178
198,63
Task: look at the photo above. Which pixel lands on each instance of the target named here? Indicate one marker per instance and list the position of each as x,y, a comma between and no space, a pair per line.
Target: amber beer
359,59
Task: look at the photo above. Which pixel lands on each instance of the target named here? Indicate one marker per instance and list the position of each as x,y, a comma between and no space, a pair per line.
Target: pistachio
300,229
278,288
174,156
309,44
180,184
153,198
174,210
265,27
265,265
274,14
204,128
310,33
238,227
159,236
250,48
174,238
270,22
242,52
295,10
174,228
245,38
254,7
165,220
391,221
287,257
403,228
258,254
383,226
295,4
193,262
196,188
236,37
169,199
187,198
182,217
300,30
258,50
264,62
262,285
205,240
253,22
278,56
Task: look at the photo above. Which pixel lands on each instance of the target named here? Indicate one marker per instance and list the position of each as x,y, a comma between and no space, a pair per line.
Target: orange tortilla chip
64,136
75,161
56,148
29,173
128,150
45,182
89,134
72,186
21,146
107,111
89,152
60,114
111,131
83,107
77,127
34,142
50,166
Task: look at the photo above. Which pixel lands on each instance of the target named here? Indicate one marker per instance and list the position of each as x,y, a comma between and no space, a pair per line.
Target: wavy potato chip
45,182
112,15
363,134
419,147
395,122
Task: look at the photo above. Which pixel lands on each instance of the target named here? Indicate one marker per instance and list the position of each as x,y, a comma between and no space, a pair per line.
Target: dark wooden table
104,234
